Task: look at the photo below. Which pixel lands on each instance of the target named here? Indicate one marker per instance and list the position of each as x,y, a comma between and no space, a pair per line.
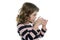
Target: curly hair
25,12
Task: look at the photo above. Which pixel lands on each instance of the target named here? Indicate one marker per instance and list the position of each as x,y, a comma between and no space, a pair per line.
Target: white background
49,9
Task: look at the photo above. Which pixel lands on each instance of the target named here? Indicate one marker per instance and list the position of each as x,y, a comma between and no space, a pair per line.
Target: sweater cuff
38,30
43,30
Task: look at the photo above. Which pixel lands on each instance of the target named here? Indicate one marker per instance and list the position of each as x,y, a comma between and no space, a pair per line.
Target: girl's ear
28,18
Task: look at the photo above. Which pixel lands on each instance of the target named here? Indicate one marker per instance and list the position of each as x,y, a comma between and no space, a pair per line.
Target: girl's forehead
35,12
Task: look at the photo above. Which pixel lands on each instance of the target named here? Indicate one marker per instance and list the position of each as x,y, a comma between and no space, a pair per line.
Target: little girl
27,26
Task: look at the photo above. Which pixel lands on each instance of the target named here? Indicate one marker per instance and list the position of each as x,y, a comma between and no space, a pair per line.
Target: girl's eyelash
34,14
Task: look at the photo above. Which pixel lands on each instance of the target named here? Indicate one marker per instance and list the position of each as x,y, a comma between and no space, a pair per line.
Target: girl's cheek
35,17
29,18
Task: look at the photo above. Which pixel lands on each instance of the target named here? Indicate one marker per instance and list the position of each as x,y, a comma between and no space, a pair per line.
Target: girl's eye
34,14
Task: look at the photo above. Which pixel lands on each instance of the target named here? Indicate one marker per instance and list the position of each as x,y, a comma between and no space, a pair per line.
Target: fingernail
47,20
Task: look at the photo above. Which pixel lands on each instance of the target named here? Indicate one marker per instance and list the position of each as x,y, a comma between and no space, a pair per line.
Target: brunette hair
26,10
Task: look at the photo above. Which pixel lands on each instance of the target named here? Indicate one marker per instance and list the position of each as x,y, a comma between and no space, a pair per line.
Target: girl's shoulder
24,24
20,24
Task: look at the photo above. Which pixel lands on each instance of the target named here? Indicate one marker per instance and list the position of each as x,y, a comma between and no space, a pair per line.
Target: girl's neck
26,23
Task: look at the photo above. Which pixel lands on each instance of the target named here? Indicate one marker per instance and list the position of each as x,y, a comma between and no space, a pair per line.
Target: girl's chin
32,21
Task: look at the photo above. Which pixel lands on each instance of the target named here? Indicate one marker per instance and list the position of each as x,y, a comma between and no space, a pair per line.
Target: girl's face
33,16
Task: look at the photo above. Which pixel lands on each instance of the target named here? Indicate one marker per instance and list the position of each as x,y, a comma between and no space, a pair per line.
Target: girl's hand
38,21
44,22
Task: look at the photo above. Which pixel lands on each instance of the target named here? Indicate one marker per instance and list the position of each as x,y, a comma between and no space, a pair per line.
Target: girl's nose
35,16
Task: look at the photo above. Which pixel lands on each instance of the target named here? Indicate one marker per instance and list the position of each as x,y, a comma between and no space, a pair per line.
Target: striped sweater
27,32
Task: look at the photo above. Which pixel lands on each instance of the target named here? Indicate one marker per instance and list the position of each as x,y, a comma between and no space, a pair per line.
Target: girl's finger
47,20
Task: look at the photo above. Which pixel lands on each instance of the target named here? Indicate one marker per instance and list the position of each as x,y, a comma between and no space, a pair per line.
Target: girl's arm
42,22
40,33
31,34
